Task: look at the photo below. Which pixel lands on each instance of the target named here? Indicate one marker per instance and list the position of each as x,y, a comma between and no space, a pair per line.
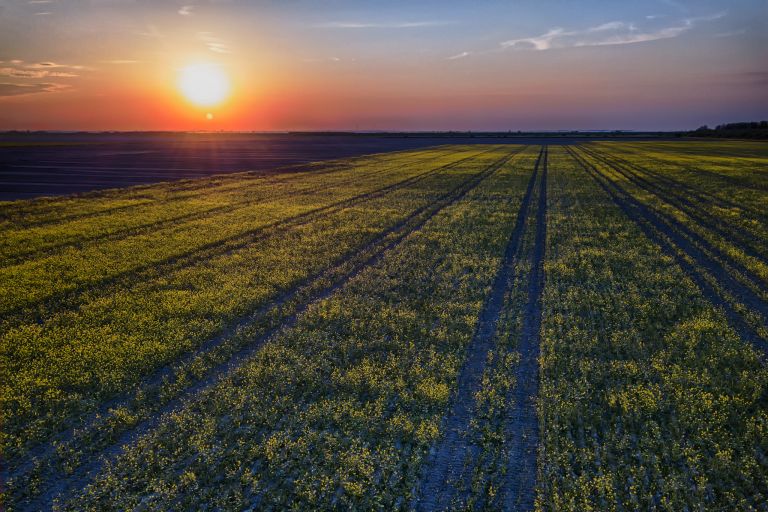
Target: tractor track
701,217
703,195
445,479
522,428
743,285
668,237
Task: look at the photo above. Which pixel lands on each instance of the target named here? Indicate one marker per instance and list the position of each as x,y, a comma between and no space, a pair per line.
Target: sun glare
204,84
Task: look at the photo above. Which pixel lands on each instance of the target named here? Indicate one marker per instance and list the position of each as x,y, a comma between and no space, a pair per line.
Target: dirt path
446,478
522,429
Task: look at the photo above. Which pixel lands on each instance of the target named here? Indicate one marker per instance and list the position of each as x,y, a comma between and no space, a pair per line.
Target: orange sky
363,65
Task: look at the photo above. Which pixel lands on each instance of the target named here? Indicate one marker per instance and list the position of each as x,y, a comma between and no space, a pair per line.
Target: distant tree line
753,130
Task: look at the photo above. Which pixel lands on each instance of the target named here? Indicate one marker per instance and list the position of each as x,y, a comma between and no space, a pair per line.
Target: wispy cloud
606,34
402,24
459,55
214,44
34,73
19,69
186,10
46,13
7,89
327,59
48,65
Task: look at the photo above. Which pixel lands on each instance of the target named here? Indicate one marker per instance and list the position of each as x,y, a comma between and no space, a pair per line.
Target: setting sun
204,84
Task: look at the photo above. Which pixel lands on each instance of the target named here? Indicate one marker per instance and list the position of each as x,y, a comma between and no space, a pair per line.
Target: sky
383,65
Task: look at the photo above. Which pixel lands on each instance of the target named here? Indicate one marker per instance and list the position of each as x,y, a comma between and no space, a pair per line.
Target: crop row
737,220
723,168
486,455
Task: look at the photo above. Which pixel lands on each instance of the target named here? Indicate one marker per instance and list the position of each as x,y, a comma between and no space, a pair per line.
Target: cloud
328,59
186,10
48,65
33,73
405,24
19,69
542,42
121,61
46,13
611,25
214,44
606,34
7,89
459,55
40,1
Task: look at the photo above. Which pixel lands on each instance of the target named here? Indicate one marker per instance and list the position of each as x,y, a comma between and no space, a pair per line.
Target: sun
204,84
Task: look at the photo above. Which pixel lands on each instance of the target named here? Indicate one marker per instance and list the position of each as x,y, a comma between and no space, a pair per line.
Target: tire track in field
194,187
276,303
61,486
739,182
701,194
522,430
68,299
707,253
732,180
673,244
234,206
446,477
705,219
